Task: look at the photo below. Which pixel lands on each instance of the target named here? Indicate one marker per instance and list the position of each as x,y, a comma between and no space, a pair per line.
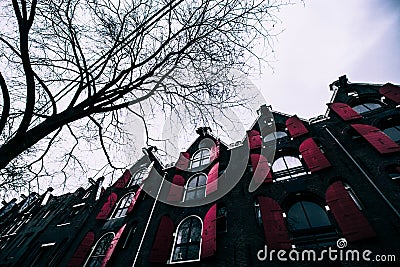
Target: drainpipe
148,220
364,173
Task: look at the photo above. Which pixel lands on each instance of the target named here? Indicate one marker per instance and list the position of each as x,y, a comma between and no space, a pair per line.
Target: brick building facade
303,184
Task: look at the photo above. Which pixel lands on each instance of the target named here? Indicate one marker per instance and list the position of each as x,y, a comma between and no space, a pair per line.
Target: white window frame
201,159
128,202
175,234
196,188
95,246
138,174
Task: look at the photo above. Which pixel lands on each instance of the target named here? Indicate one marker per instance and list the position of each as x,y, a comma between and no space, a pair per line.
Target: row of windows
308,223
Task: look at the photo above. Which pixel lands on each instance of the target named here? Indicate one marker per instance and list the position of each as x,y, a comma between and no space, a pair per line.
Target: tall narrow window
366,107
353,196
257,210
99,250
196,187
200,158
310,225
137,178
122,207
222,213
187,240
287,167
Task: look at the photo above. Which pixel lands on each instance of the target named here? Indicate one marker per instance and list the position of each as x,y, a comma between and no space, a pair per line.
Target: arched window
122,206
187,240
310,226
137,178
366,107
200,158
99,250
287,167
196,187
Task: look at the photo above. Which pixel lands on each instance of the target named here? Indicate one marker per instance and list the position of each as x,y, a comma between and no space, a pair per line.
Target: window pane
193,252
360,109
202,180
279,165
179,254
296,217
372,106
183,235
316,214
193,182
190,195
393,133
187,244
292,162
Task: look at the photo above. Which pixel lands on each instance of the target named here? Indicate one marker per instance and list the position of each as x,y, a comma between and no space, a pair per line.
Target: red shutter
112,246
183,161
276,233
261,169
209,235
107,207
82,251
391,91
313,155
214,151
254,139
295,126
134,200
350,219
344,111
124,180
379,140
162,244
212,179
176,190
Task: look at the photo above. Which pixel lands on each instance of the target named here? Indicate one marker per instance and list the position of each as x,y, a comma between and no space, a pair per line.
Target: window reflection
310,225
365,107
393,133
187,243
196,187
286,167
99,251
200,158
123,205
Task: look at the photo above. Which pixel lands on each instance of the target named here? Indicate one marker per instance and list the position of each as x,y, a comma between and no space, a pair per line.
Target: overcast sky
324,39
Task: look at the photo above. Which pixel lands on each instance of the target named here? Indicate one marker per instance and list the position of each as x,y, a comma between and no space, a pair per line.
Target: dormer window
200,158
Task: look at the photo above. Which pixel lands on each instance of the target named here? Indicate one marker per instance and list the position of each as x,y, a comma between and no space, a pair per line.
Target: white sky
324,39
